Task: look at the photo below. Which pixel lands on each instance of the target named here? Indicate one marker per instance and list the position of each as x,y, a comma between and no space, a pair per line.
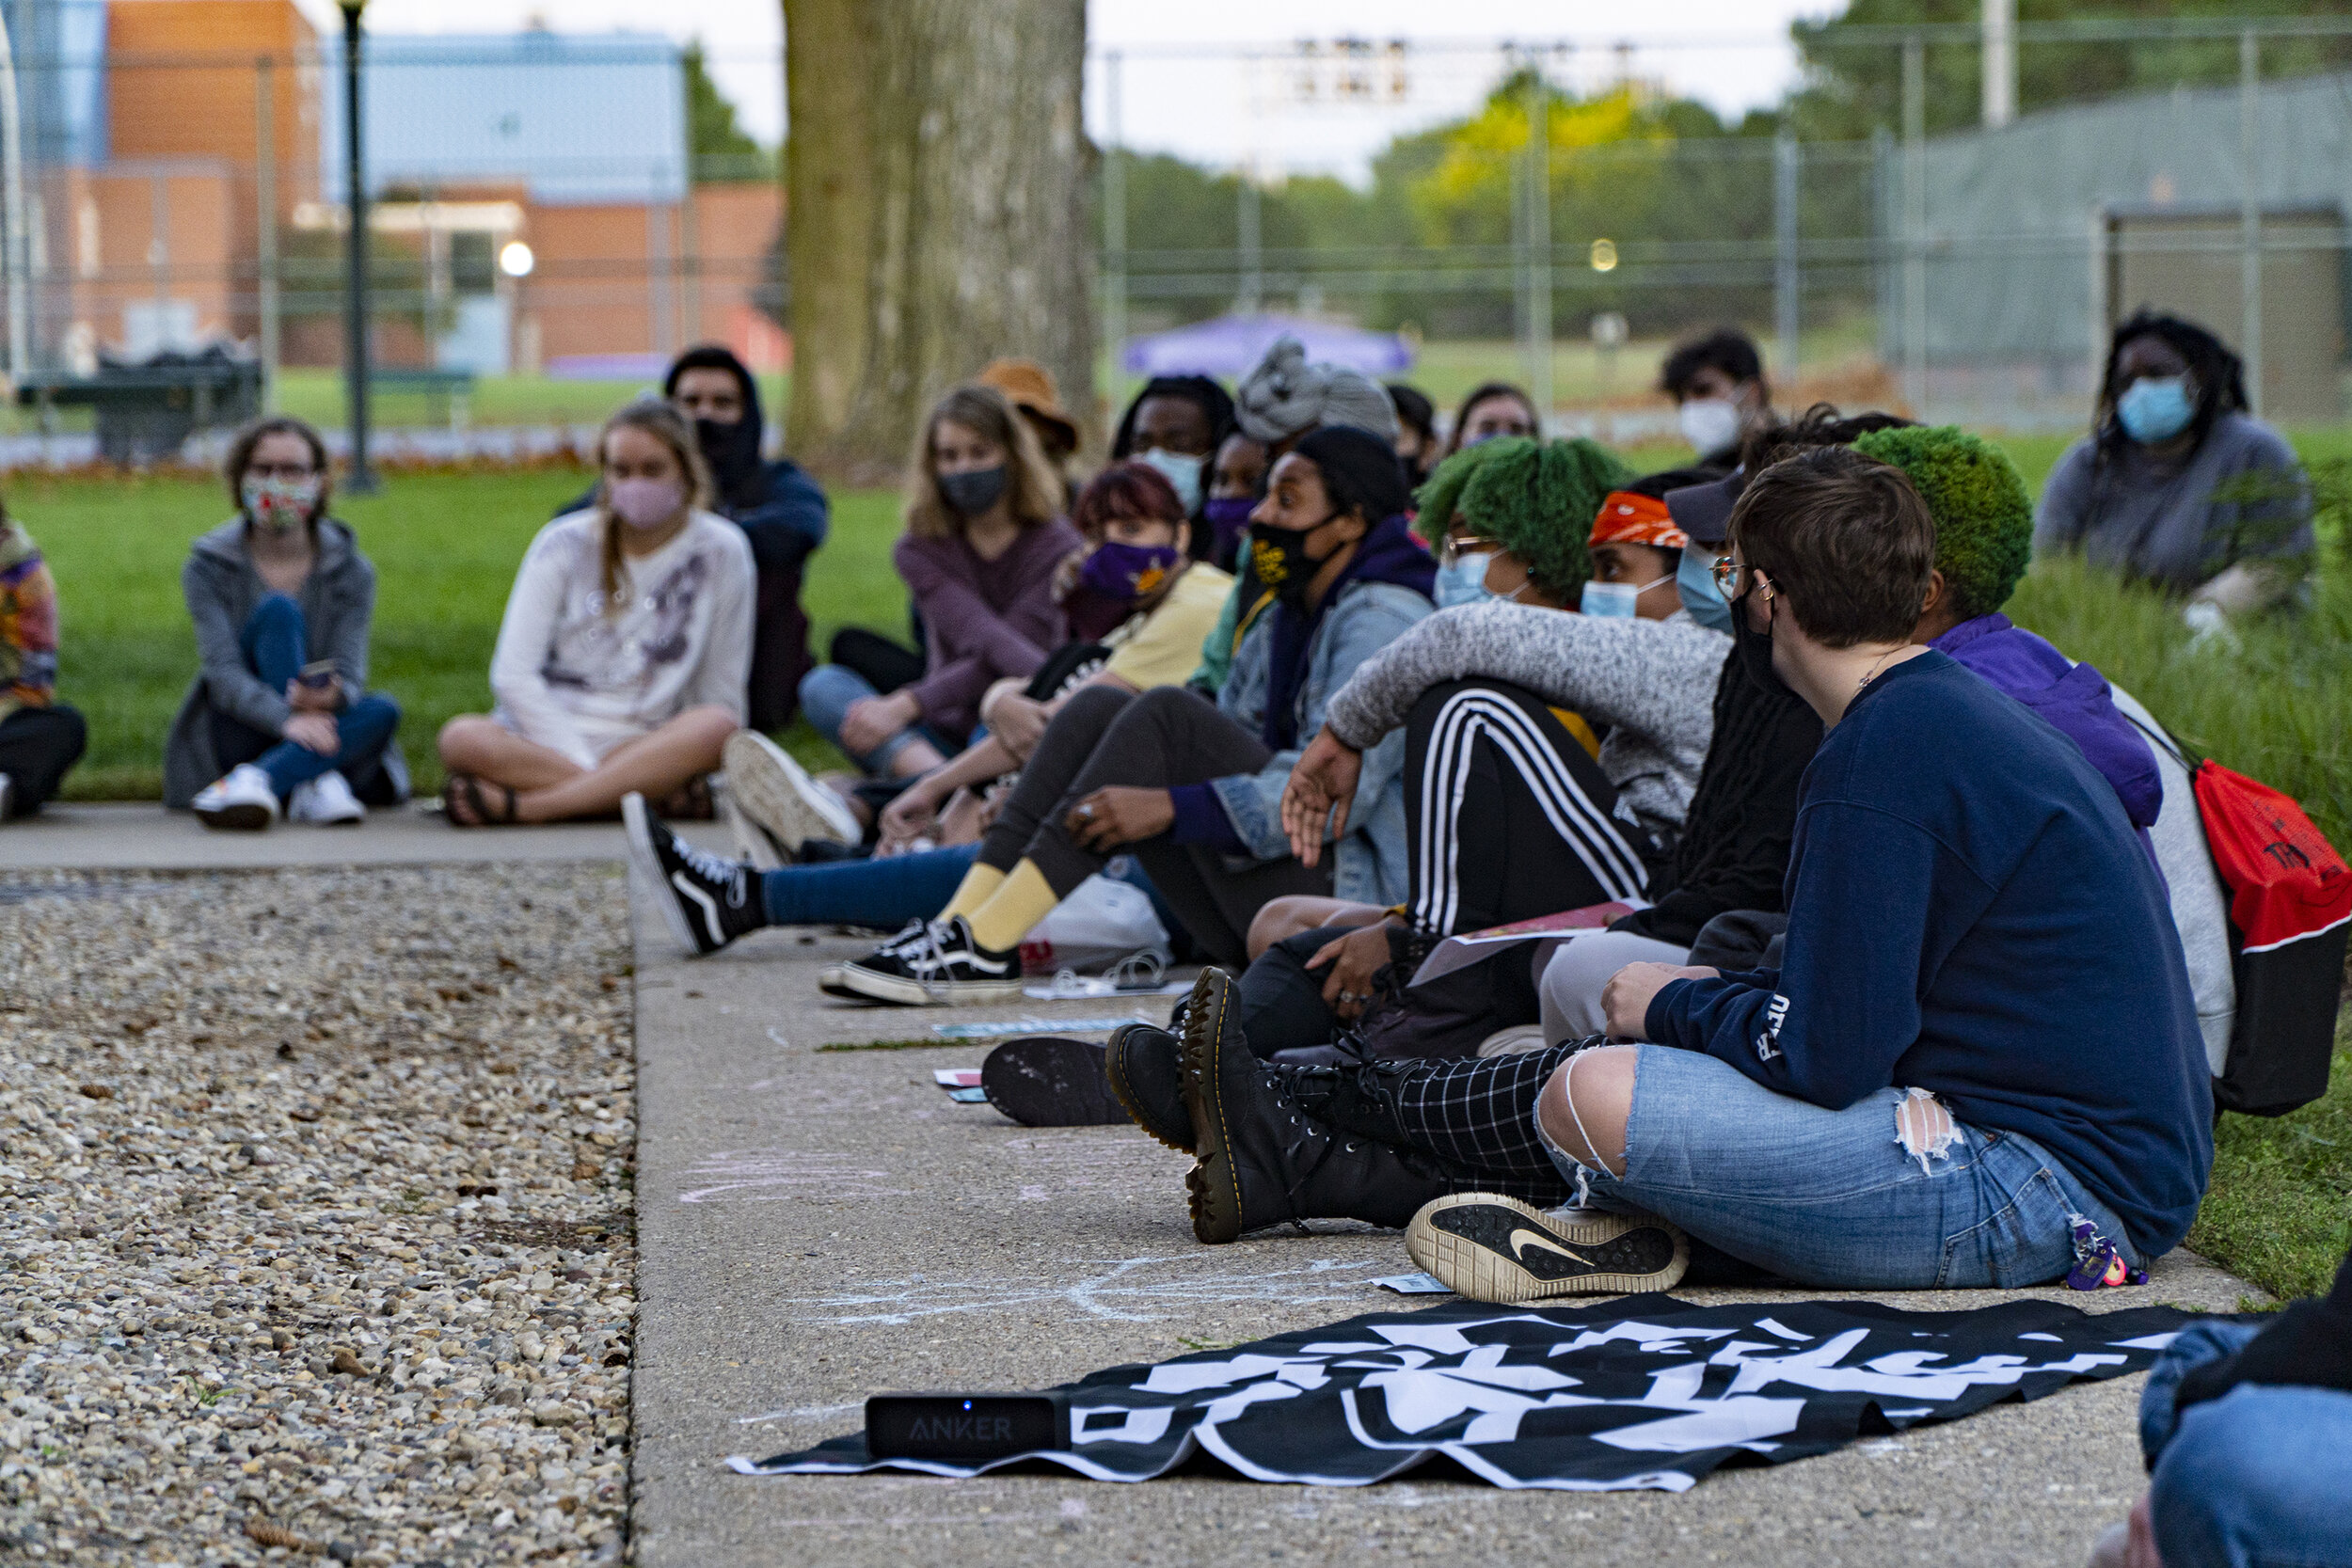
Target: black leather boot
1261,1159
1144,1066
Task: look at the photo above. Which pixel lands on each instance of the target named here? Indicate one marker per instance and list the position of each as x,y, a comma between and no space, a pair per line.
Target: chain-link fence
552,212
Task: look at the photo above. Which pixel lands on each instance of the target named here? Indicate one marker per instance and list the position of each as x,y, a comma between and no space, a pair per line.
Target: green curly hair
1535,498
1984,522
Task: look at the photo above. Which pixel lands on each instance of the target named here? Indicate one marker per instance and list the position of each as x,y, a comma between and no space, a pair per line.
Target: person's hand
315,699
1324,777
872,720
1626,999
1110,817
313,731
908,817
1353,959
1016,721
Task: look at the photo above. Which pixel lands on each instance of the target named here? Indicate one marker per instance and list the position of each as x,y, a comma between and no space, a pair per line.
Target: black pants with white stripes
1507,817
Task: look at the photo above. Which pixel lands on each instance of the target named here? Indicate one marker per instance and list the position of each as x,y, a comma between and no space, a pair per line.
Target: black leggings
36,746
1506,817
1162,738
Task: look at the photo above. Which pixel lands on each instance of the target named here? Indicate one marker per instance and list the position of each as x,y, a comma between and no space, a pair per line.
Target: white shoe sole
642,856
777,794
1474,1241
938,994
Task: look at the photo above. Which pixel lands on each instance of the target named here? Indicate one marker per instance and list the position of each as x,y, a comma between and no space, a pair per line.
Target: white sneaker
326,802
776,795
244,800
751,839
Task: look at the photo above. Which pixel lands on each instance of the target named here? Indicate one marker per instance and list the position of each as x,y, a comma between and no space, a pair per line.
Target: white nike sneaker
776,795
244,800
1489,1247
326,802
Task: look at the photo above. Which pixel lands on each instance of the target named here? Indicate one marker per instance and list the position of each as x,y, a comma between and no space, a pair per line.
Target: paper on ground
956,1077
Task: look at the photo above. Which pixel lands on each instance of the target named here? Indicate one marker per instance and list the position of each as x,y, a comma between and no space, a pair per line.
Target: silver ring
1087,812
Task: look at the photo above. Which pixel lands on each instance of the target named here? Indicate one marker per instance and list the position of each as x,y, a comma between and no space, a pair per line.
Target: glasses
1731,577
1451,549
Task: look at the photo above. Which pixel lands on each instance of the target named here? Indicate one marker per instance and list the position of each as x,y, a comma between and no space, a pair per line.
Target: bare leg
651,765
1586,1104
472,744
1278,919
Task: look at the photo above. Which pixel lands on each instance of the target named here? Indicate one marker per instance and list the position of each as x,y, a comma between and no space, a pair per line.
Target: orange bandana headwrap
1627,518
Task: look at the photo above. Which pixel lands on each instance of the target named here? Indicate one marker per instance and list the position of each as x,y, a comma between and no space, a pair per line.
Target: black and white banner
1641,1391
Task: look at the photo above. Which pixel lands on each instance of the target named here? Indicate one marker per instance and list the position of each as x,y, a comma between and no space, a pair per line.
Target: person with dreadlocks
1512,808
2177,485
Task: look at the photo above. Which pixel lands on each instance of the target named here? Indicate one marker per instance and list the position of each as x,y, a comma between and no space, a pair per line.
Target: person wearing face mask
984,536
1236,485
1191,787
1137,554
1513,810
620,660
1177,423
278,721
1720,396
2177,485
1493,411
1037,398
1417,444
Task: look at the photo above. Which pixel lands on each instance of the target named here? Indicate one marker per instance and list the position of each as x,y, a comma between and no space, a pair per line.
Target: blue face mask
1462,581
2153,410
1695,582
1181,471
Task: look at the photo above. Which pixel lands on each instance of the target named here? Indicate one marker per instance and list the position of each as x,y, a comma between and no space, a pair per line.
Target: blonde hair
1031,486
668,426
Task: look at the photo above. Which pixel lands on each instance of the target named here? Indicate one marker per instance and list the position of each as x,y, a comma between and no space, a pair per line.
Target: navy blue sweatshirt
1969,913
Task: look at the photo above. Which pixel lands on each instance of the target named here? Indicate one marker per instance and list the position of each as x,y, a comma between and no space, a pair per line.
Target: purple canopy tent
1233,345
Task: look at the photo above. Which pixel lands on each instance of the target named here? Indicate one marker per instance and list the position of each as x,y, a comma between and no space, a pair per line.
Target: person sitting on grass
1191,787
278,720
1137,553
984,533
40,738
621,661
1977,1066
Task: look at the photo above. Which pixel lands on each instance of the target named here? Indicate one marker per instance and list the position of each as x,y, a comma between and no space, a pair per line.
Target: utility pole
362,480
1916,225
1115,236
1787,280
2000,63
1538,242
265,200
2249,218
17,256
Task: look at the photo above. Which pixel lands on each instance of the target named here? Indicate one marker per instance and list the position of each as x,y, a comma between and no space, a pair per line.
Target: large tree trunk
937,167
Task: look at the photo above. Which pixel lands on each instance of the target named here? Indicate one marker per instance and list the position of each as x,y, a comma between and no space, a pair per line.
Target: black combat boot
1260,1160
1144,1066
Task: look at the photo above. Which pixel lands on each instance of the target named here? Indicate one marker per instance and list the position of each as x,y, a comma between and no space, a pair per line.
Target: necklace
1871,674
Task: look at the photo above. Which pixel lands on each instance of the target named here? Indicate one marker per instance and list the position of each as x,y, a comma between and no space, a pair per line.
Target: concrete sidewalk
815,1227
74,837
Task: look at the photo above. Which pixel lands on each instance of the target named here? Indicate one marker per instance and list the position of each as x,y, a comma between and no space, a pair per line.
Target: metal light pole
16,260
362,480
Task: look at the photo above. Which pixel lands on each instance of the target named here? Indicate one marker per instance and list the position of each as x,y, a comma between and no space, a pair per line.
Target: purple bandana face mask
1230,516
1129,572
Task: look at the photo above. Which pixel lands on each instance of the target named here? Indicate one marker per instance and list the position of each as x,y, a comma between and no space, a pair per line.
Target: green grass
2279,1210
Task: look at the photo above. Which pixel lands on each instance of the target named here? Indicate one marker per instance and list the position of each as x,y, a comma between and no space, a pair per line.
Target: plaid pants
1477,1118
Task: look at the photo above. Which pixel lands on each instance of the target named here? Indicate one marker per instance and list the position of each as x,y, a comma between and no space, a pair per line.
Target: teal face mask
1694,583
2153,410
1462,581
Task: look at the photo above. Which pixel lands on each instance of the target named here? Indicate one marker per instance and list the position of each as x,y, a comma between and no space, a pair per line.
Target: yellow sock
999,923
971,892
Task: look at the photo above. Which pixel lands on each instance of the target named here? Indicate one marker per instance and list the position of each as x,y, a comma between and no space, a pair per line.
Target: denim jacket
1369,863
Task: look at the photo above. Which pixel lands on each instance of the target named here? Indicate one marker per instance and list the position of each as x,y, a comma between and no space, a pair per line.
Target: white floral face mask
279,503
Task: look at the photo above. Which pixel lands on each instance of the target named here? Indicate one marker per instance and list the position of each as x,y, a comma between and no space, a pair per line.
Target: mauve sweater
982,620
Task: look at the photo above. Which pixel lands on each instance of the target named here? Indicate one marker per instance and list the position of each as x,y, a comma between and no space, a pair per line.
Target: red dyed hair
1126,490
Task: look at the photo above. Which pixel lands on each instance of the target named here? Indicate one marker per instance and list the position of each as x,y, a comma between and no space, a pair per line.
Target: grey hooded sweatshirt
337,602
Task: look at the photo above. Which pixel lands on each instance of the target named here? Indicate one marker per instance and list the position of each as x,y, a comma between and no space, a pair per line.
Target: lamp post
362,480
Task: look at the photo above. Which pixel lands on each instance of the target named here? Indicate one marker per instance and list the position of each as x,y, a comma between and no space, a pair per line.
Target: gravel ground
314,1217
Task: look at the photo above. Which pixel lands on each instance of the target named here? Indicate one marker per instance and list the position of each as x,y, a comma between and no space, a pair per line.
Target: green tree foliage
1853,86
723,149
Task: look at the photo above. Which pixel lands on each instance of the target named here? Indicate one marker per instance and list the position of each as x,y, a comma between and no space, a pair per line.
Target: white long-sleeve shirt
582,679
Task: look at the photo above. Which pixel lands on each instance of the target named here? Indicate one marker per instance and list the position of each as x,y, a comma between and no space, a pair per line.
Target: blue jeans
883,895
276,644
1832,1197
2260,1477
826,694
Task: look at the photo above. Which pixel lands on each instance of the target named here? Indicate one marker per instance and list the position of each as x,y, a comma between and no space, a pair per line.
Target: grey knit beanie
1286,394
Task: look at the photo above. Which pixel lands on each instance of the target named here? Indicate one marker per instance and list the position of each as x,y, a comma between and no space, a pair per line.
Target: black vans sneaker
940,967
708,901
1493,1249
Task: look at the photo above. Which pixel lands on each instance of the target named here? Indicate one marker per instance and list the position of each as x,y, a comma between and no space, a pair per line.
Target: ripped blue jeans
1846,1199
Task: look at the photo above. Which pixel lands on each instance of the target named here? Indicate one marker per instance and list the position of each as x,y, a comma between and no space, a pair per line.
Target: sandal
464,788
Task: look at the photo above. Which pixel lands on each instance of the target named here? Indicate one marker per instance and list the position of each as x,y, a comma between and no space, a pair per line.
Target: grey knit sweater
1651,682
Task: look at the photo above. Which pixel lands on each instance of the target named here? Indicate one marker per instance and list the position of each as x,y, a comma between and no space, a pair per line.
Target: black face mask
973,491
1278,557
1753,649
733,452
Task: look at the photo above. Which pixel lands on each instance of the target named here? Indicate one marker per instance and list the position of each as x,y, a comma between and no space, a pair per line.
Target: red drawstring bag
2290,912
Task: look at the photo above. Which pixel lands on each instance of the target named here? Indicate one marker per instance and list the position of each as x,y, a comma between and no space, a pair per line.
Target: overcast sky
1229,109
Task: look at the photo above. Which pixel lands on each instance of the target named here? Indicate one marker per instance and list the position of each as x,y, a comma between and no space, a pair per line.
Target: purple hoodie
2072,698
